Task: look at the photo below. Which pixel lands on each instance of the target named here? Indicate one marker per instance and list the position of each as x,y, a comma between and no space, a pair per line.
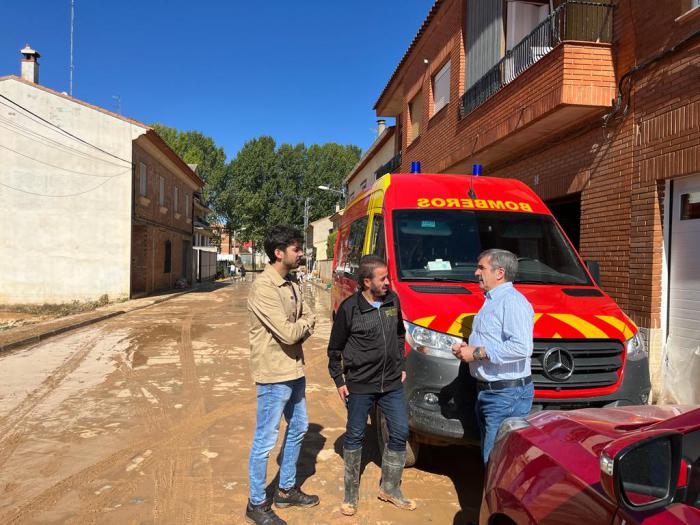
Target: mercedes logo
558,364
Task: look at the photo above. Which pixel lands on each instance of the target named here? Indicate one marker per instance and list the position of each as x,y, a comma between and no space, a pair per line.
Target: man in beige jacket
279,323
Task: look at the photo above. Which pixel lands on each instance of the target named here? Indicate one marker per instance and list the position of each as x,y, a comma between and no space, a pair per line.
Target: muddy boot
353,459
390,485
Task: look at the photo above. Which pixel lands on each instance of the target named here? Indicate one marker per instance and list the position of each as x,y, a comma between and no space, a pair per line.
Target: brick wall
150,208
619,169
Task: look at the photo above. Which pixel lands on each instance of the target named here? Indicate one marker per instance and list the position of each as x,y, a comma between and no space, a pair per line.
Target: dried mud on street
148,418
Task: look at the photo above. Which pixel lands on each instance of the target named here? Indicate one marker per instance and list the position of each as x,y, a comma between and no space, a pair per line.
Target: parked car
619,466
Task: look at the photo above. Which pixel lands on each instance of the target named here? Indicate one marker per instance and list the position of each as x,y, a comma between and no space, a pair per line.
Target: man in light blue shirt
500,347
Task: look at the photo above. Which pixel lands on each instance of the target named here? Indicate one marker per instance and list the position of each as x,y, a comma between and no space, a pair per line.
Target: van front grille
596,364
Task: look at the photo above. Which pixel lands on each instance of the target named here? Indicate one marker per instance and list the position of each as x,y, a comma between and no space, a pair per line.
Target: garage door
683,344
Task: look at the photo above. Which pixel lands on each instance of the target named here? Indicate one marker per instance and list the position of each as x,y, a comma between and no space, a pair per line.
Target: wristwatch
479,353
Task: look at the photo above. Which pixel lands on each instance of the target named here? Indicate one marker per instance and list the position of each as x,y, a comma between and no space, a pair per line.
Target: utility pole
306,227
72,66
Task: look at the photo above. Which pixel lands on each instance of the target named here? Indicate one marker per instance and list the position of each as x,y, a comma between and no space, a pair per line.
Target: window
356,241
484,37
690,206
441,88
377,243
161,195
415,115
143,179
168,257
176,199
435,245
187,205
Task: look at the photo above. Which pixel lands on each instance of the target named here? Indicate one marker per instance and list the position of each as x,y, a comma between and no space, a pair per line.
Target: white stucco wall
72,240
381,157
321,228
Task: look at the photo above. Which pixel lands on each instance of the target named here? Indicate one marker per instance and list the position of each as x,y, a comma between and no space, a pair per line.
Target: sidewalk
33,333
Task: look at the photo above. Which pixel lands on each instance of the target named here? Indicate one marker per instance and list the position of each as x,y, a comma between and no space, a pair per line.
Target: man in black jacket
366,361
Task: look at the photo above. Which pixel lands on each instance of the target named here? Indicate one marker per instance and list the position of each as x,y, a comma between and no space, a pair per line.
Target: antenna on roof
72,66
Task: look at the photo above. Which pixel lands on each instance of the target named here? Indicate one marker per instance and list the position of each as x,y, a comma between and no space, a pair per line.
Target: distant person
366,362
240,267
500,347
279,322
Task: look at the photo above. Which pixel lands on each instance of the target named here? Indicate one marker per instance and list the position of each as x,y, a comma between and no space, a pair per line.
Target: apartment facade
94,203
596,106
383,156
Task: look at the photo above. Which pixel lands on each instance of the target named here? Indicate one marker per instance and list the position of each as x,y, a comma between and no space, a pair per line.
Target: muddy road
148,418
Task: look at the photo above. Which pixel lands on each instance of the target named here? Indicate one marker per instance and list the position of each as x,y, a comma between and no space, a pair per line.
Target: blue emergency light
477,169
415,166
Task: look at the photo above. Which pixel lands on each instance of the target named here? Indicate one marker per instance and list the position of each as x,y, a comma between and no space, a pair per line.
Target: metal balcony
575,20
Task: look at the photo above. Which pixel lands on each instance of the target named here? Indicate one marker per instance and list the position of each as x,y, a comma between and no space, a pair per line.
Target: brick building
595,105
162,230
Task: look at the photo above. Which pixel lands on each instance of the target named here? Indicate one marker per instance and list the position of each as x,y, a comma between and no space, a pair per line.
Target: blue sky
304,71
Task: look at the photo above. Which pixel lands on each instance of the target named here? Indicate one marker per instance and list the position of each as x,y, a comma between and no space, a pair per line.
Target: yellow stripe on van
462,326
537,318
617,324
425,321
588,330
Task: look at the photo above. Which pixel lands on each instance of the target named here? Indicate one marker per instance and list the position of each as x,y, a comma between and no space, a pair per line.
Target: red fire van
430,229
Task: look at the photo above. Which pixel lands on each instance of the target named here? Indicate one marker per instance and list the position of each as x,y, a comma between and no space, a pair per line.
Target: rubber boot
390,485
353,459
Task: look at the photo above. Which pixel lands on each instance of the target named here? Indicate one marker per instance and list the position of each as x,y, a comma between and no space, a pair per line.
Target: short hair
368,263
502,259
279,238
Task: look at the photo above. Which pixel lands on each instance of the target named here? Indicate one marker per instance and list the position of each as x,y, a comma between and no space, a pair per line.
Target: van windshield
443,245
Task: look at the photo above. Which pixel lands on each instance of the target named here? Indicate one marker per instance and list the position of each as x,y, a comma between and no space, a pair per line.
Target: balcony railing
391,166
580,20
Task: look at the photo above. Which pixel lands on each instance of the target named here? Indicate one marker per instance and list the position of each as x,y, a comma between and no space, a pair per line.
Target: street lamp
328,188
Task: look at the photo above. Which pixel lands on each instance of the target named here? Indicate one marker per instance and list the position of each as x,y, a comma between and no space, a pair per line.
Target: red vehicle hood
575,438
557,314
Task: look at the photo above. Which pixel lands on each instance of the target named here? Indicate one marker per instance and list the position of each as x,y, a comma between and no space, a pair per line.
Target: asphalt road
148,418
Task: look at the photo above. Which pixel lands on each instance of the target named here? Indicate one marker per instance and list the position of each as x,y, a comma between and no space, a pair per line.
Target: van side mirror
594,270
640,472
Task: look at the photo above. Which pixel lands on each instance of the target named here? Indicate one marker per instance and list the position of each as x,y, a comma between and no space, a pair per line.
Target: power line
46,141
63,130
58,196
64,169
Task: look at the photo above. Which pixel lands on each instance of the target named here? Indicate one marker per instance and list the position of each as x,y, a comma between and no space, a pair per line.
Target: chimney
30,64
381,126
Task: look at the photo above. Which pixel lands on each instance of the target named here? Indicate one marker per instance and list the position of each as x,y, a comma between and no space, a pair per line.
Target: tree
266,184
196,148
327,164
330,244
252,188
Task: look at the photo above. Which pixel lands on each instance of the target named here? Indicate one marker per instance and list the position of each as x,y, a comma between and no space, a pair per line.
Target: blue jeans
395,410
274,400
493,406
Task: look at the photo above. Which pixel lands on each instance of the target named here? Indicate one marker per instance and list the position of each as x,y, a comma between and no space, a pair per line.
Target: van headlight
430,342
636,349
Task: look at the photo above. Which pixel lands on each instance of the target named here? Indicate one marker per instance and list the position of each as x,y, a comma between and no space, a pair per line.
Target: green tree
327,164
330,244
196,148
252,188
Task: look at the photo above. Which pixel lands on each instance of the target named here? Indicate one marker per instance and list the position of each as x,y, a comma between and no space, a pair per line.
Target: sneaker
262,514
294,497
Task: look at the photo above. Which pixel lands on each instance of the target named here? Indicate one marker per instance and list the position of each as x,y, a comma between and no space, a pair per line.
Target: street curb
80,324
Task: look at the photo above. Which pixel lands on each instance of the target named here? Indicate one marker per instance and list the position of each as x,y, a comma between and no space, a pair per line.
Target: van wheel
412,445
